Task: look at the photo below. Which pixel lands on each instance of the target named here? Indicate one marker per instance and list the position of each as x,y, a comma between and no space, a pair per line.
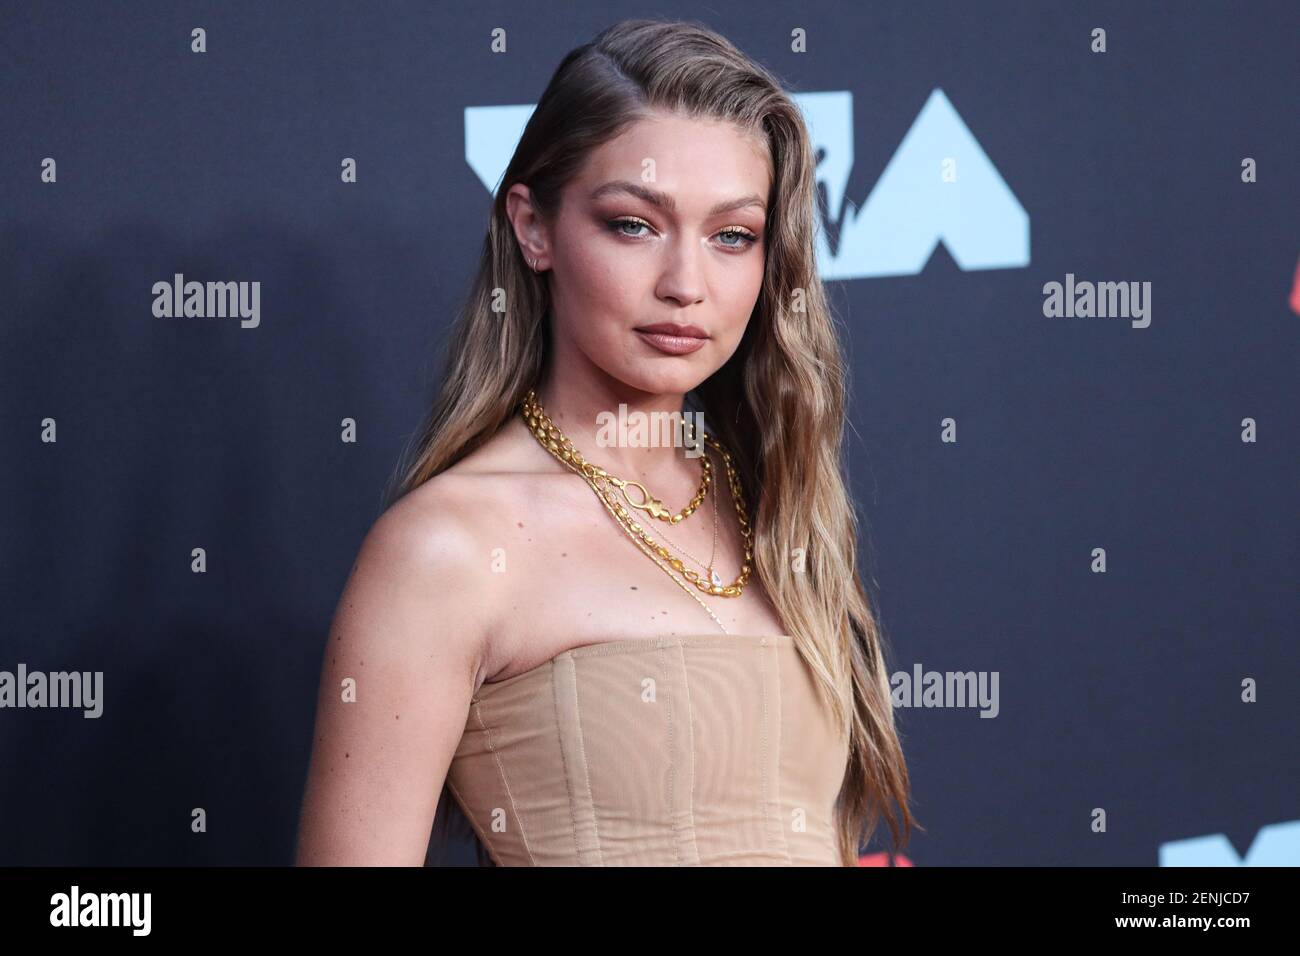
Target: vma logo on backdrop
1277,844
939,186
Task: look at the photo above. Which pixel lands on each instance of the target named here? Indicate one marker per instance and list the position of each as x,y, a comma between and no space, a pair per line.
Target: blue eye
748,239
616,225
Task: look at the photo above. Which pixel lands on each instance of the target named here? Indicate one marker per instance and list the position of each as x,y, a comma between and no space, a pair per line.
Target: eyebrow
664,201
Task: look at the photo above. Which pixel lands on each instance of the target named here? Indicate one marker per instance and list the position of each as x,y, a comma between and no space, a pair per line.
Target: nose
682,278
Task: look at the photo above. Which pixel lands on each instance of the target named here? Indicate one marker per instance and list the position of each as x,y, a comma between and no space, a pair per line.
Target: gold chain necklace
649,503
708,568
554,441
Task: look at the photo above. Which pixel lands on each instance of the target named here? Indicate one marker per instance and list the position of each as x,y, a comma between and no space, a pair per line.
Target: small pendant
717,581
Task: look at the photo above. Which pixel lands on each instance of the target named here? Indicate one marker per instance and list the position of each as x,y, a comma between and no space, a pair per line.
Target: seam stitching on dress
690,716
780,743
510,798
672,763
582,748
564,764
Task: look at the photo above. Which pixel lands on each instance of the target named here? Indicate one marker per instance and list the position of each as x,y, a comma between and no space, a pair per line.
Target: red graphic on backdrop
1295,291
884,859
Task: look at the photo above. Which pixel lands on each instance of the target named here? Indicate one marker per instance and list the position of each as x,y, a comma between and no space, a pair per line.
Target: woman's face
665,224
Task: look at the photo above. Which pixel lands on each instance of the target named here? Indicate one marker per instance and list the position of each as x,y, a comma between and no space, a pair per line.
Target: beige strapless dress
698,750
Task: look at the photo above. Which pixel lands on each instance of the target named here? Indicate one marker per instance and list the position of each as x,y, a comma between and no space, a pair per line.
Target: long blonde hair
778,404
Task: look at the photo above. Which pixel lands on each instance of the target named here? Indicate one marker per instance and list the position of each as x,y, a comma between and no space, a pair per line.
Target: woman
505,648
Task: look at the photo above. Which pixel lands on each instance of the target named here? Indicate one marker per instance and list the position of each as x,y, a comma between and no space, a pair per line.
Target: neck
630,433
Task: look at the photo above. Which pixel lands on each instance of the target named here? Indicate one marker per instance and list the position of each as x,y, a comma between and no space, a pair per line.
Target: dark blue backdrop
1119,691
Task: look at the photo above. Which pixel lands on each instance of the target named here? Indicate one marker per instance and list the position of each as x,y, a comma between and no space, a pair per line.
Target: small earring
532,264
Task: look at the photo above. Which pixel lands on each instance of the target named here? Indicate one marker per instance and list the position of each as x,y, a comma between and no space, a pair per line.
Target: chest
563,573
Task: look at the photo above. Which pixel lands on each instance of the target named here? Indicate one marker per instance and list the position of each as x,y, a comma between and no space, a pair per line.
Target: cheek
738,292
599,305
614,275
606,290
750,278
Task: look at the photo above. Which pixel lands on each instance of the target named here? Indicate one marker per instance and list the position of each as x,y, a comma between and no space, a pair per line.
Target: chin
658,381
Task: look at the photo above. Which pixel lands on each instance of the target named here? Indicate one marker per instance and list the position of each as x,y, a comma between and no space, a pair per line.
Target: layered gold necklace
601,481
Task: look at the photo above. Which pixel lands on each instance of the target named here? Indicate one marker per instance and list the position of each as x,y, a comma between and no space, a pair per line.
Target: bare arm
407,634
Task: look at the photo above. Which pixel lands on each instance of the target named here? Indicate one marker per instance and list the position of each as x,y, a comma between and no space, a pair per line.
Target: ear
530,231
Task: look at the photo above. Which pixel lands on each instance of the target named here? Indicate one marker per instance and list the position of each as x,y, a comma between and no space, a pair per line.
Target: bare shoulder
456,508
429,545
432,524
438,540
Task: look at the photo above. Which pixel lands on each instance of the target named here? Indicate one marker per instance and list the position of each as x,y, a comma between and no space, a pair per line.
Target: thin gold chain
653,557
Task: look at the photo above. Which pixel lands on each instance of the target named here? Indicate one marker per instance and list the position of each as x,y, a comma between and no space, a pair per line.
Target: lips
673,339
675,330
